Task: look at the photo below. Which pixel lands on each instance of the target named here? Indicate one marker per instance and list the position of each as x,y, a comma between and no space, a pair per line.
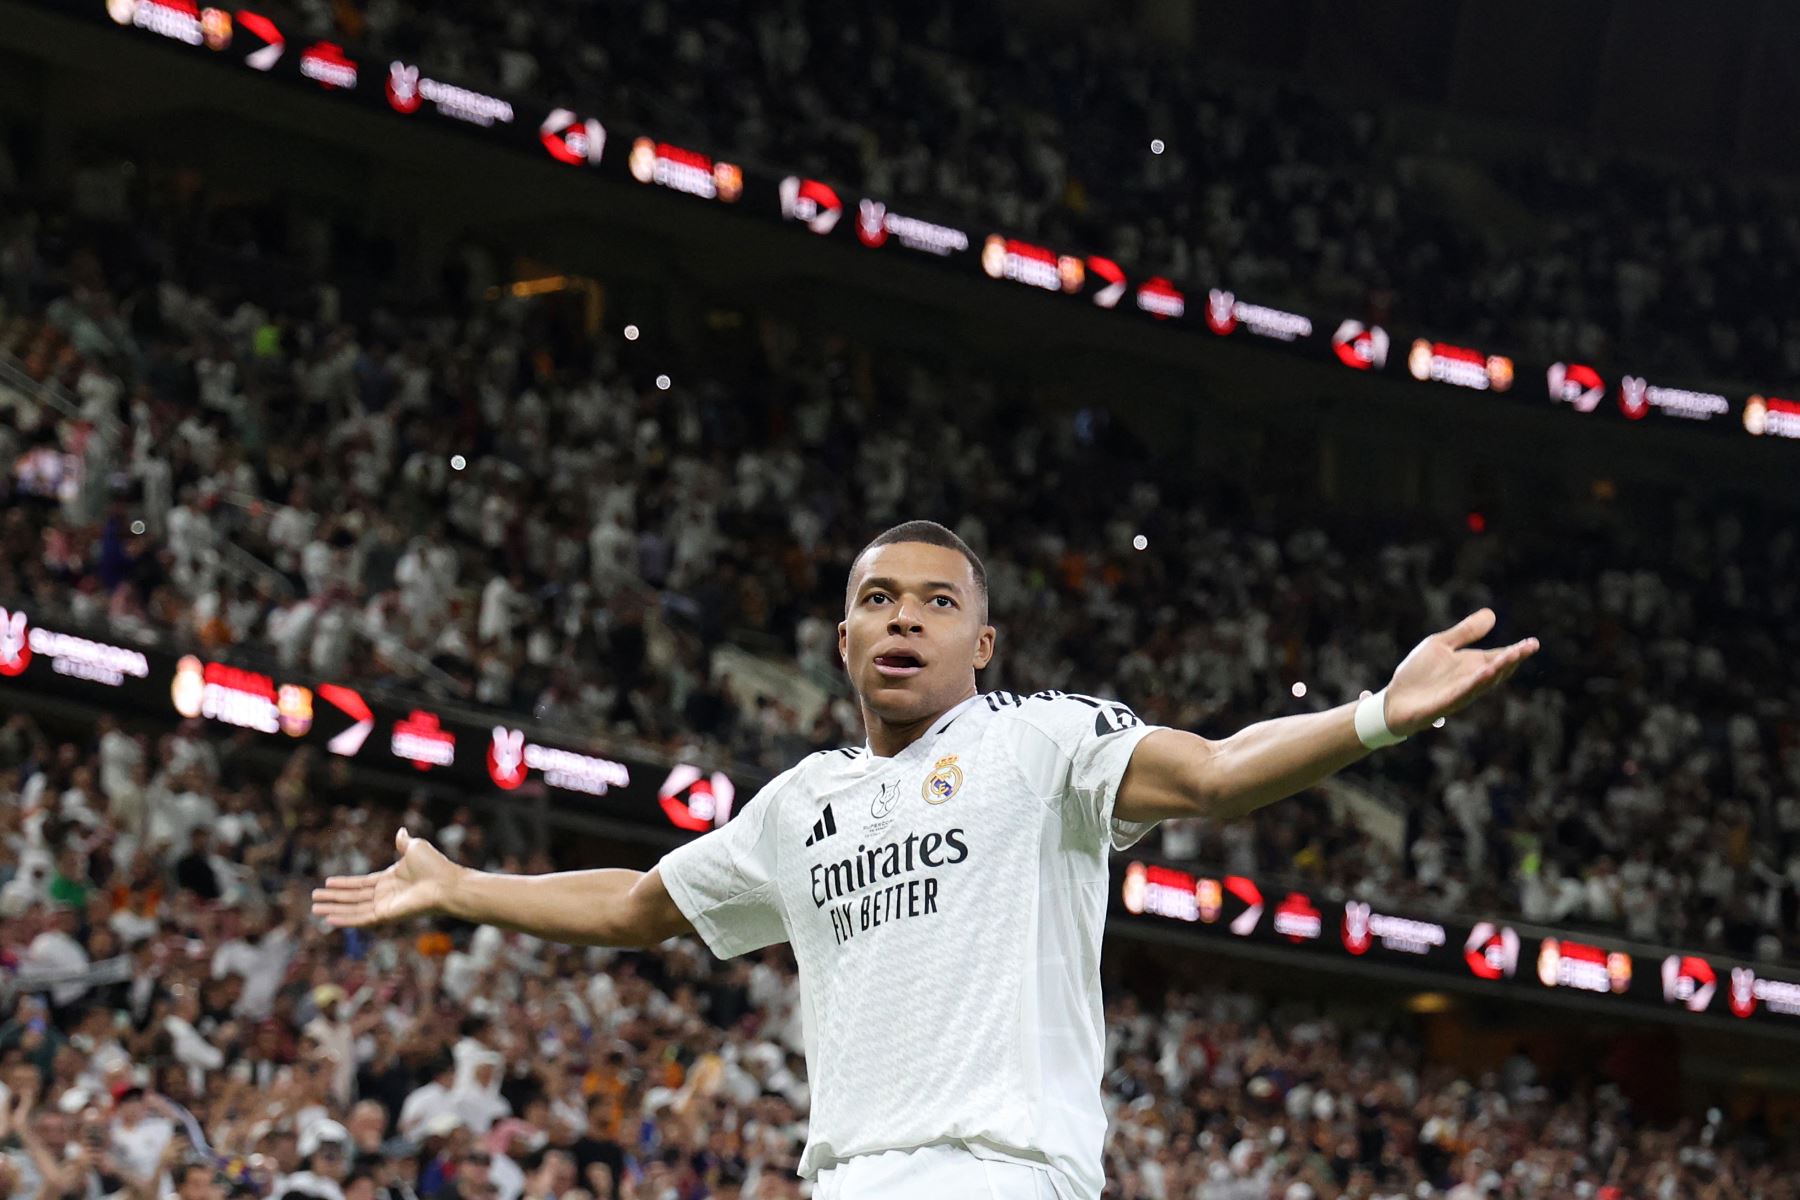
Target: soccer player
943,887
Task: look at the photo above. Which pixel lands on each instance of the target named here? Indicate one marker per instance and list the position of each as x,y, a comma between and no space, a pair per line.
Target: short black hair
932,534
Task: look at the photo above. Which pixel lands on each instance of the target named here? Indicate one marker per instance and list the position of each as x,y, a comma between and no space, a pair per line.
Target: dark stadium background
1660,120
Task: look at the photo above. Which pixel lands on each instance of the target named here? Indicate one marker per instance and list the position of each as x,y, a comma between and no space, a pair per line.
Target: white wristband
1371,722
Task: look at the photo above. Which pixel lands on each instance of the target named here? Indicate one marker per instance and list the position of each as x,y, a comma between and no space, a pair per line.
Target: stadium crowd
490,503
963,112
179,1024
604,540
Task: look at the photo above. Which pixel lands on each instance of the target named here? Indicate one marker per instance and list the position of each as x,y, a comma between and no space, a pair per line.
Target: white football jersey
945,906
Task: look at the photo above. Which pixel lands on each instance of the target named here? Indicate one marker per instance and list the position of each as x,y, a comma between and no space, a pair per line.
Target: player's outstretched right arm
582,908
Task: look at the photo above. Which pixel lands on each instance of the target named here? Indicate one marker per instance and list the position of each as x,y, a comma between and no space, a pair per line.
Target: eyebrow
882,581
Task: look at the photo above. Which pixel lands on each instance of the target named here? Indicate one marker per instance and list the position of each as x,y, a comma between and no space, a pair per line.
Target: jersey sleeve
1076,751
725,882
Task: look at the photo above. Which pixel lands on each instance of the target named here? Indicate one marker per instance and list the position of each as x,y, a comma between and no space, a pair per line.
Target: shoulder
813,770
821,765
829,759
1065,718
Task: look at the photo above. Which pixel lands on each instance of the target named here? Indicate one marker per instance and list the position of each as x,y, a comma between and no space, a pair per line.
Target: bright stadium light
1156,145
1438,724
1299,690
1140,542
662,383
458,462
631,333
137,527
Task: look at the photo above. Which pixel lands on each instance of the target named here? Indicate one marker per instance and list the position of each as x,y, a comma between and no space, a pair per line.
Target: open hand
1445,672
417,885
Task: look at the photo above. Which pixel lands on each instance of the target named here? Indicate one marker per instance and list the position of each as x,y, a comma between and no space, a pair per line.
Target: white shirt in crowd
55,951
945,906
421,1105
261,964
139,1147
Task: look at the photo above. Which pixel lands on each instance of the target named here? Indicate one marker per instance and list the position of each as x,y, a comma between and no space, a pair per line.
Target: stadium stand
429,1064
961,110
219,438
600,522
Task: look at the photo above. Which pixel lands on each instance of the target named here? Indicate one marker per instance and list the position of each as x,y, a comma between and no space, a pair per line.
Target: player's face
915,632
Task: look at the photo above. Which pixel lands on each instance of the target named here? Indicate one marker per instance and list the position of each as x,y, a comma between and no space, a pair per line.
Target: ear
844,644
984,646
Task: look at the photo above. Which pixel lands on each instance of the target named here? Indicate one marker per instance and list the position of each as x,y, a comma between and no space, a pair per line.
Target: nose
904,618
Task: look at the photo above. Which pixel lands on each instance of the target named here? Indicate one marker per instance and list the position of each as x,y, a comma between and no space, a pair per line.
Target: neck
888,738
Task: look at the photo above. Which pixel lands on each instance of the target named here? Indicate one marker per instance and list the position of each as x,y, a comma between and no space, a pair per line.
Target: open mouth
898,665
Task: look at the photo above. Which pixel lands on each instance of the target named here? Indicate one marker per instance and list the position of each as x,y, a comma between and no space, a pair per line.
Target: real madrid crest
945,780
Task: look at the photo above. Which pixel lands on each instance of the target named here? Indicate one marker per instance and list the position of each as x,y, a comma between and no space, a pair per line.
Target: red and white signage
1161,299
1033,266
262,30
15,643
1773,416
177,20
408,89
76,657
572,139
1743,991
1492,951
226,694
1298,919
1246,891
421,739
1689,980
1749,989
1459,366
348,741
1362,926
1577,385
326,64
403,88
687,171
812,203
1582,967
1161,892
875,223
511,757
1360,347
1225,313
1112,281
506,757
694,800
1637,396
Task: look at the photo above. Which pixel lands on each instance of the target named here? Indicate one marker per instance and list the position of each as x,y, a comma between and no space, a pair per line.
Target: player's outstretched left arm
1178,774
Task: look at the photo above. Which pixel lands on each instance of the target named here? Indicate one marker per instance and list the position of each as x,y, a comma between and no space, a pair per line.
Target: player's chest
887,845
871,801
916,802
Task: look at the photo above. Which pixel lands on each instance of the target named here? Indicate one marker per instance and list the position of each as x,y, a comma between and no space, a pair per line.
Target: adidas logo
823,828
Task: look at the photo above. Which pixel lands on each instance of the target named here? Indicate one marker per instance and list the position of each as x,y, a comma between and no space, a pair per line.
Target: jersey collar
943,723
